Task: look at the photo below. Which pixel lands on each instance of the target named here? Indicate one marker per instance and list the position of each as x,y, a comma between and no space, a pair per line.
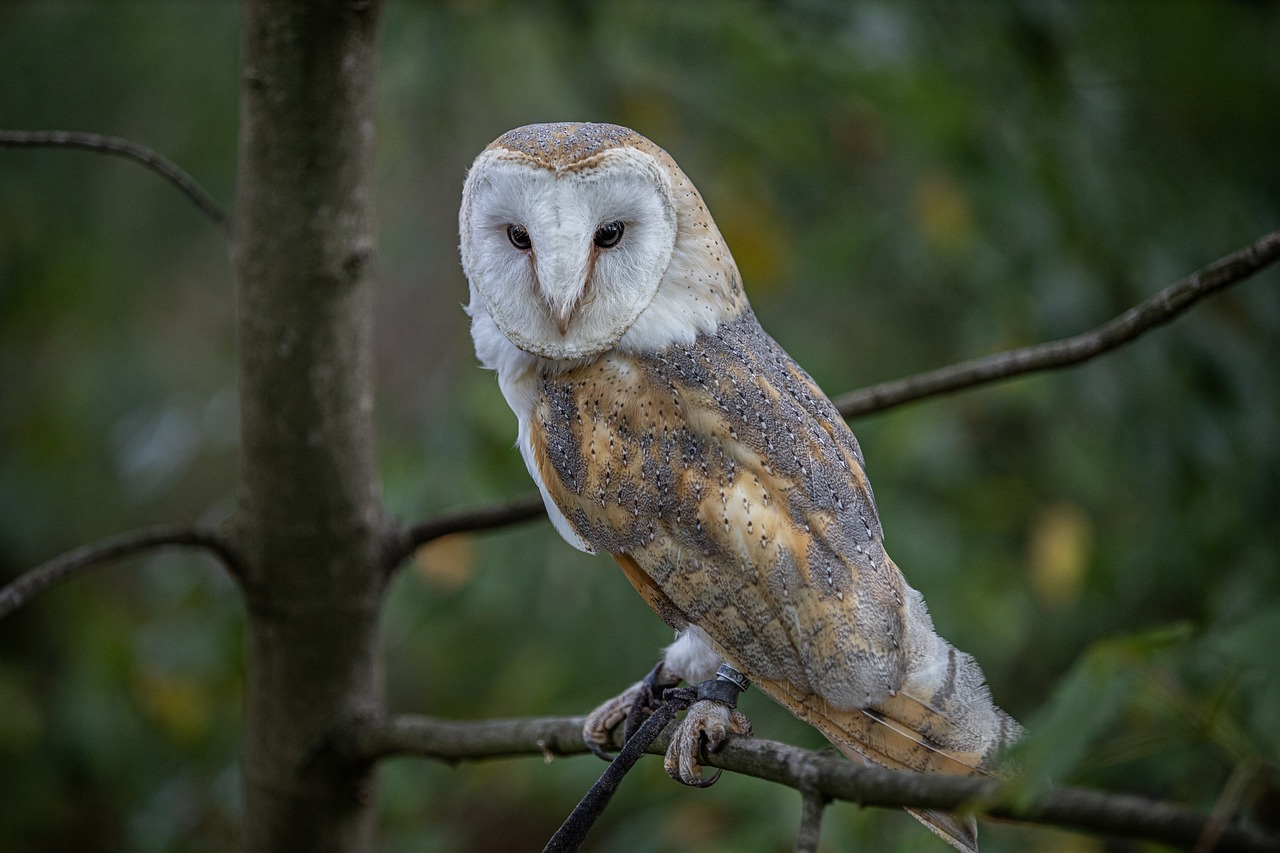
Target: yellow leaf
176,703
943,211
1060,547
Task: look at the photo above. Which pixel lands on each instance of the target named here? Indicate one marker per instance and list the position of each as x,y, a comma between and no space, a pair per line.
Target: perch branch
158,163
26,586
814,774
1156,311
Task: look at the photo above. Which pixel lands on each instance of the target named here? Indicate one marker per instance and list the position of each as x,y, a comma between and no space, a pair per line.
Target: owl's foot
710,720
632,705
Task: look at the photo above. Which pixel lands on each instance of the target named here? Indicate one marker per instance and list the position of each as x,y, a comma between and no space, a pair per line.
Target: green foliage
903,185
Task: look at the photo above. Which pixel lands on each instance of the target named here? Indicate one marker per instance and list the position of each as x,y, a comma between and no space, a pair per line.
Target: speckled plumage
738,498
567,145
693,449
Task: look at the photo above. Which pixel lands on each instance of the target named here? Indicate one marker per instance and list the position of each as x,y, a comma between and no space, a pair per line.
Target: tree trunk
310,522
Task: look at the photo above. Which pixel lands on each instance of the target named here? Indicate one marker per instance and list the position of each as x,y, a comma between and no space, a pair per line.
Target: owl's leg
687,659
710,720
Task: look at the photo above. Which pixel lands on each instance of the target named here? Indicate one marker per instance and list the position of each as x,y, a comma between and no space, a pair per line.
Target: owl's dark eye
519,237
608,235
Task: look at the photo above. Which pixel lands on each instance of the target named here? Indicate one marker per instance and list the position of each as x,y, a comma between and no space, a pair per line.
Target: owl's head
568,231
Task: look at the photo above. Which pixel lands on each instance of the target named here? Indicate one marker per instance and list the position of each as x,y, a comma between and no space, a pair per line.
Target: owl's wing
734,496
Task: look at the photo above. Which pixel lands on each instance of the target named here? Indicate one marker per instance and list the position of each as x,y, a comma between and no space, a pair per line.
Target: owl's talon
709,721
596,749
647,699
598,728
707,783
707,724
632,707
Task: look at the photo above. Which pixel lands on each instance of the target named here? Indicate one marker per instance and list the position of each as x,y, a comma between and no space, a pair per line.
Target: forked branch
158,163
812,805
86,557
816,775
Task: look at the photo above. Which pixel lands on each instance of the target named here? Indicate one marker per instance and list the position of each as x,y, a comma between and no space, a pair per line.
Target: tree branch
1156,311
86,557
812,805
814,774
158,163
514,511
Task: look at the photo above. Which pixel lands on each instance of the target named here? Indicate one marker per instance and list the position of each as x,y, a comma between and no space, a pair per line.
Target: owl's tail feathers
913,730
880,737
941,720
905,733
908,733
960,832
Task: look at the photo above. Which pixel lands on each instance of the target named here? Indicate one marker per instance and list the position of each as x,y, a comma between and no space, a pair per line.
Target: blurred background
903,185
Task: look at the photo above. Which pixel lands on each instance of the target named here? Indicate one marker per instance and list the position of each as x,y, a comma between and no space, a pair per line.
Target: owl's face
565,240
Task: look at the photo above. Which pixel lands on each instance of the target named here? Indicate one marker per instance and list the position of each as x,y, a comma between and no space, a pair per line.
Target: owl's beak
561,315
562,278
562,305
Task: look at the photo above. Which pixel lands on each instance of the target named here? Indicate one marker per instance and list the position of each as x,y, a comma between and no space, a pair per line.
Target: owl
663,426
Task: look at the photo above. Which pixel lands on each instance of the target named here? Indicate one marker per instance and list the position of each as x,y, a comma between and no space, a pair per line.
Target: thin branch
158,163
1156,311
452,741
812,806
489,517
86,557
813,772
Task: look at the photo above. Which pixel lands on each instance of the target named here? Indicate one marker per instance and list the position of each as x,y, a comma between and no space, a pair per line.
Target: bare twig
452,741
821,774
158,163
86,557
1156,311
465,521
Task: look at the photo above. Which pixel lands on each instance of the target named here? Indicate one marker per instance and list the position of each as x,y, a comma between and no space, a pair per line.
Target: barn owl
663,426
